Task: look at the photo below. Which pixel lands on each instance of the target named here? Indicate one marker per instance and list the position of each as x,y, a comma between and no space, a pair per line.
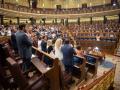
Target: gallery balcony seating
99,8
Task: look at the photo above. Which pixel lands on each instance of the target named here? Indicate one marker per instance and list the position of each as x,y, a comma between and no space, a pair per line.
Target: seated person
79,51
49,46
88,50
44,44
39,43
98,37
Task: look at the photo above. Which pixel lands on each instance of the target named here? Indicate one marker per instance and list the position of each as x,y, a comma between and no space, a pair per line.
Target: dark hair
39,38
43,37
67,41
78,47
22,26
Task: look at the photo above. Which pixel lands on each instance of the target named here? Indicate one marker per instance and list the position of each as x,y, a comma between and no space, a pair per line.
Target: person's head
67,41
39,38
78,47
28,28
13,30
89,48
34,37
44,37
49,42
58,43
22,27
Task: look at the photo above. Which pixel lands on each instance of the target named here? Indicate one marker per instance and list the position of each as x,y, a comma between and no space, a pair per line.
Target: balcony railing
55,11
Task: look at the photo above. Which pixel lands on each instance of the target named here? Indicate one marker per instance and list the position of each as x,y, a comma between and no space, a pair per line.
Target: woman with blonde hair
58,53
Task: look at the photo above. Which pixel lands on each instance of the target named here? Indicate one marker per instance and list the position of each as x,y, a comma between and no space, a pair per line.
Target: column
10,22
33,20
119,18
78,21
90,20
105,20
55,20
62,21
43,20
29,3
40,21
2,1
66,22
1,20
18,20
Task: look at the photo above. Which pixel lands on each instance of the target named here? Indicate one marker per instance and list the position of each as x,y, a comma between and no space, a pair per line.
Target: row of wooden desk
53,72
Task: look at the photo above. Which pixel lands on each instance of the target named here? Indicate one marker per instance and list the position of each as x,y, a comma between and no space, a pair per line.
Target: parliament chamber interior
59,44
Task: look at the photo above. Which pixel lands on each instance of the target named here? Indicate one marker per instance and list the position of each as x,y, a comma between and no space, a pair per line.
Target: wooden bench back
92,63
54,74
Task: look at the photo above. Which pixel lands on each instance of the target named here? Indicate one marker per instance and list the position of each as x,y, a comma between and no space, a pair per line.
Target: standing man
68,52
13,40
44,43
24,44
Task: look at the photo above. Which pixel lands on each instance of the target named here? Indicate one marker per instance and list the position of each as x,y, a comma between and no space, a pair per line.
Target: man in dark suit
44,44
24,44
3,55
68,52
13,41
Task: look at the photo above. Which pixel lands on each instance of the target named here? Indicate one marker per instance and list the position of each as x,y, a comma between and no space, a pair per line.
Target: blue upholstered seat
90,59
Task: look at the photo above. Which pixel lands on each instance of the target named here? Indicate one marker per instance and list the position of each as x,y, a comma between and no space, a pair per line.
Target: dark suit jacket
13,41
24,45
3,55
44,46
49,49
68,53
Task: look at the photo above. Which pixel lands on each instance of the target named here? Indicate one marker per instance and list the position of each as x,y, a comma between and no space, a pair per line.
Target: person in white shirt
58,52
2,32
39,43
9,32
53,35
98,38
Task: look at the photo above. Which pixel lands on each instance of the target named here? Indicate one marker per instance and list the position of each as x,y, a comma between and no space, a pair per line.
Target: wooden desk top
40,65
98,54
